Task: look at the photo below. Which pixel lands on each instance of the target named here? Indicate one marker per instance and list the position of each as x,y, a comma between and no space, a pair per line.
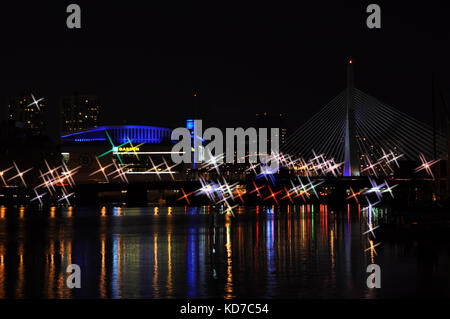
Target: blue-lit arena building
135,147
121,134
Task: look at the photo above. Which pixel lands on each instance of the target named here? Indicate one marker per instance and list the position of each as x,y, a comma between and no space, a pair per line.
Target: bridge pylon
351,156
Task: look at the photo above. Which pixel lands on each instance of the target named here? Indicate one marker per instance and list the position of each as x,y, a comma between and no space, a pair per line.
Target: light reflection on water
185,252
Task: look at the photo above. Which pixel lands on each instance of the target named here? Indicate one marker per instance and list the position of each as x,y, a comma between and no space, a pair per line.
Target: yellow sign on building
129,149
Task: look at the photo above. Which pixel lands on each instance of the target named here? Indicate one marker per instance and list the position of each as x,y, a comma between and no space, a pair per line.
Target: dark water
305,251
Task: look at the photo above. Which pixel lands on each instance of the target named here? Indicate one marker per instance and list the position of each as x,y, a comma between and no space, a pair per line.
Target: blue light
192,266
190,124
121,134
115,267
347,170
89,139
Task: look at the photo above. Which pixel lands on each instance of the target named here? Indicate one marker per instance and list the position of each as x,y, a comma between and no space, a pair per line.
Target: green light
115,149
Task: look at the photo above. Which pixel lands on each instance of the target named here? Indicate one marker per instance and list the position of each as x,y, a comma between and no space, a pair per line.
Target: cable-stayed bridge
357,129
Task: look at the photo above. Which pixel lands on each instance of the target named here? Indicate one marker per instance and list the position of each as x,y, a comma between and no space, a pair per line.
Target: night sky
144,62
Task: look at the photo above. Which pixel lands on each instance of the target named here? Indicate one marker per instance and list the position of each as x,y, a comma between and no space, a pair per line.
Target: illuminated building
121,133
28,113
79,112
130,145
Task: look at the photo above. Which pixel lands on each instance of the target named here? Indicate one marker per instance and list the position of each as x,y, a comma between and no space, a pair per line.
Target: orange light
350,61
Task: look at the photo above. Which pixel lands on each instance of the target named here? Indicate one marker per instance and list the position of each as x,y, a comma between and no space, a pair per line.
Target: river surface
307,251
